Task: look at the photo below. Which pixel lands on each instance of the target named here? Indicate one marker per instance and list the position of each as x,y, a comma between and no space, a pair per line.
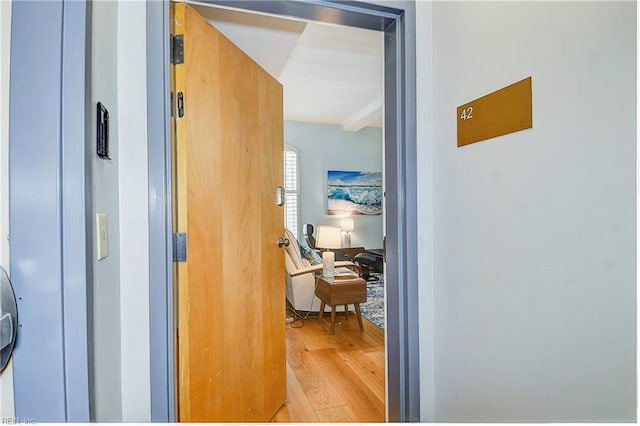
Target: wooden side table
341,291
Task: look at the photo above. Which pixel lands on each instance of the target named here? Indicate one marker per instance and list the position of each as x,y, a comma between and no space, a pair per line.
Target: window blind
291,191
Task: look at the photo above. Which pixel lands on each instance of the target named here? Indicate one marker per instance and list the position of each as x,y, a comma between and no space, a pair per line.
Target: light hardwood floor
334,378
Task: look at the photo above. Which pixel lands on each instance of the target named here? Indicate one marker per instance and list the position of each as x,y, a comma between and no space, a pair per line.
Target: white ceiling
330,74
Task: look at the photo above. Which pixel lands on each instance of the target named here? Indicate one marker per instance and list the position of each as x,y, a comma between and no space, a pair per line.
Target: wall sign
499,113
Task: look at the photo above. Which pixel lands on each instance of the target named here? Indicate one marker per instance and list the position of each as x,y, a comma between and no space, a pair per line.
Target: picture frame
354,193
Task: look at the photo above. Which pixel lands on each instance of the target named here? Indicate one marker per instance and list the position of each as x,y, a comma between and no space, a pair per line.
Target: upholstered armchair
301,276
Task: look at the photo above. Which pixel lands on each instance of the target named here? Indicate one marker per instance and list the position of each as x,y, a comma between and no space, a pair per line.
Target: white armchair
301,278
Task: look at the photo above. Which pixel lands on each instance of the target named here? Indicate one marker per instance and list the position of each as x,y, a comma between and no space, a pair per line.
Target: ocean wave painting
352,193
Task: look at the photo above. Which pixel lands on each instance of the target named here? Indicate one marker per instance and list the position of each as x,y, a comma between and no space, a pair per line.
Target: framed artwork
354,193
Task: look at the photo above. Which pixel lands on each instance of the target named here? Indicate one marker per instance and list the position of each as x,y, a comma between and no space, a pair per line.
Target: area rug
373,310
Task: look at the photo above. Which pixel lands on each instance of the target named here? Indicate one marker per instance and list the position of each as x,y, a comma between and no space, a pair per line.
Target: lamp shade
347,224
329,237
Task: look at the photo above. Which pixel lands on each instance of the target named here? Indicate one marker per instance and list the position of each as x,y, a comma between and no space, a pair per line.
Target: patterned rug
373,310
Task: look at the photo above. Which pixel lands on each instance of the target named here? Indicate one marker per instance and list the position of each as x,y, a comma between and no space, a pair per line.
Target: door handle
8,319
283,242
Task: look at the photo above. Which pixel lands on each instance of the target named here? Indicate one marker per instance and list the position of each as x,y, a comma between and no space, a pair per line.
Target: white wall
323,147
134,212
534,232
424,152
107,324
6,379
120,189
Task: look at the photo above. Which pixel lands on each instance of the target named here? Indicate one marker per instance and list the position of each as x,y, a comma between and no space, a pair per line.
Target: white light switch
102,236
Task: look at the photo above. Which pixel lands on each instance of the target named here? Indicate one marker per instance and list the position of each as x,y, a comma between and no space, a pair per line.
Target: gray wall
323,147
6,379
107,401
533,292
47,201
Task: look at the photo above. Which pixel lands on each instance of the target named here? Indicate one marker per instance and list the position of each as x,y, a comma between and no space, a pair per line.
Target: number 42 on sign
467,113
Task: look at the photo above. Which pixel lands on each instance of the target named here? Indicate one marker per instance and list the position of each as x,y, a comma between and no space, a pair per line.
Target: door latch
280,196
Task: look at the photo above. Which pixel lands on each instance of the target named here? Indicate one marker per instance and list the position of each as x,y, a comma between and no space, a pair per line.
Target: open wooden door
227,168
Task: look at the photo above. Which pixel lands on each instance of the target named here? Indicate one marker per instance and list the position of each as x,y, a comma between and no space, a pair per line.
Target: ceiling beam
328,11
368,114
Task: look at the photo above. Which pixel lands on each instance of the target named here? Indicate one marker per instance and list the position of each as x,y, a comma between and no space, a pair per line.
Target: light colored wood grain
297,408
367,362
362,401
315,338
318,389
353,338
231,331
368,371
179,191
269,160
342,414
174,207
377,357
373,332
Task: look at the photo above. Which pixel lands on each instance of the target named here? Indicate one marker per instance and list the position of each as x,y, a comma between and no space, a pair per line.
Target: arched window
291,189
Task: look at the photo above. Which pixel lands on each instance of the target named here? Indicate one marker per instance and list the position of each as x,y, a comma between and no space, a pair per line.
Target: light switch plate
102,236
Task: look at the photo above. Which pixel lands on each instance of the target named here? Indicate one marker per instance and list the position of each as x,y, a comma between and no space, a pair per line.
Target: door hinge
177,49
180,247
180,105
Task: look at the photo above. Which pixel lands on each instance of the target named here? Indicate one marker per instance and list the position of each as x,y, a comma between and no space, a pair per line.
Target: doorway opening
401,342
229,122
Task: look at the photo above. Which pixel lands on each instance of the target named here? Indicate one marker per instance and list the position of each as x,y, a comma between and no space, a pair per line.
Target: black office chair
307,231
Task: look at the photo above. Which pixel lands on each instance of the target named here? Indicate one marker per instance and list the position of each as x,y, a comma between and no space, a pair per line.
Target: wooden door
228,166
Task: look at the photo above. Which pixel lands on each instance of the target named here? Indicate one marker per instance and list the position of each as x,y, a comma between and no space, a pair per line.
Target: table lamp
328,238
347,225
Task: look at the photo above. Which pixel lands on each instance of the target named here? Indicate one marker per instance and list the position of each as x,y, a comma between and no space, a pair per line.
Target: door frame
49,186
397,20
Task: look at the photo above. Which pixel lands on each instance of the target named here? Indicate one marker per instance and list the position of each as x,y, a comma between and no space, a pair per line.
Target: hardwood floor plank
355,339
334,378
362,401
370,373
317,387
314,335
283,415
373,331
377,357
342,414
348,335
297,408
